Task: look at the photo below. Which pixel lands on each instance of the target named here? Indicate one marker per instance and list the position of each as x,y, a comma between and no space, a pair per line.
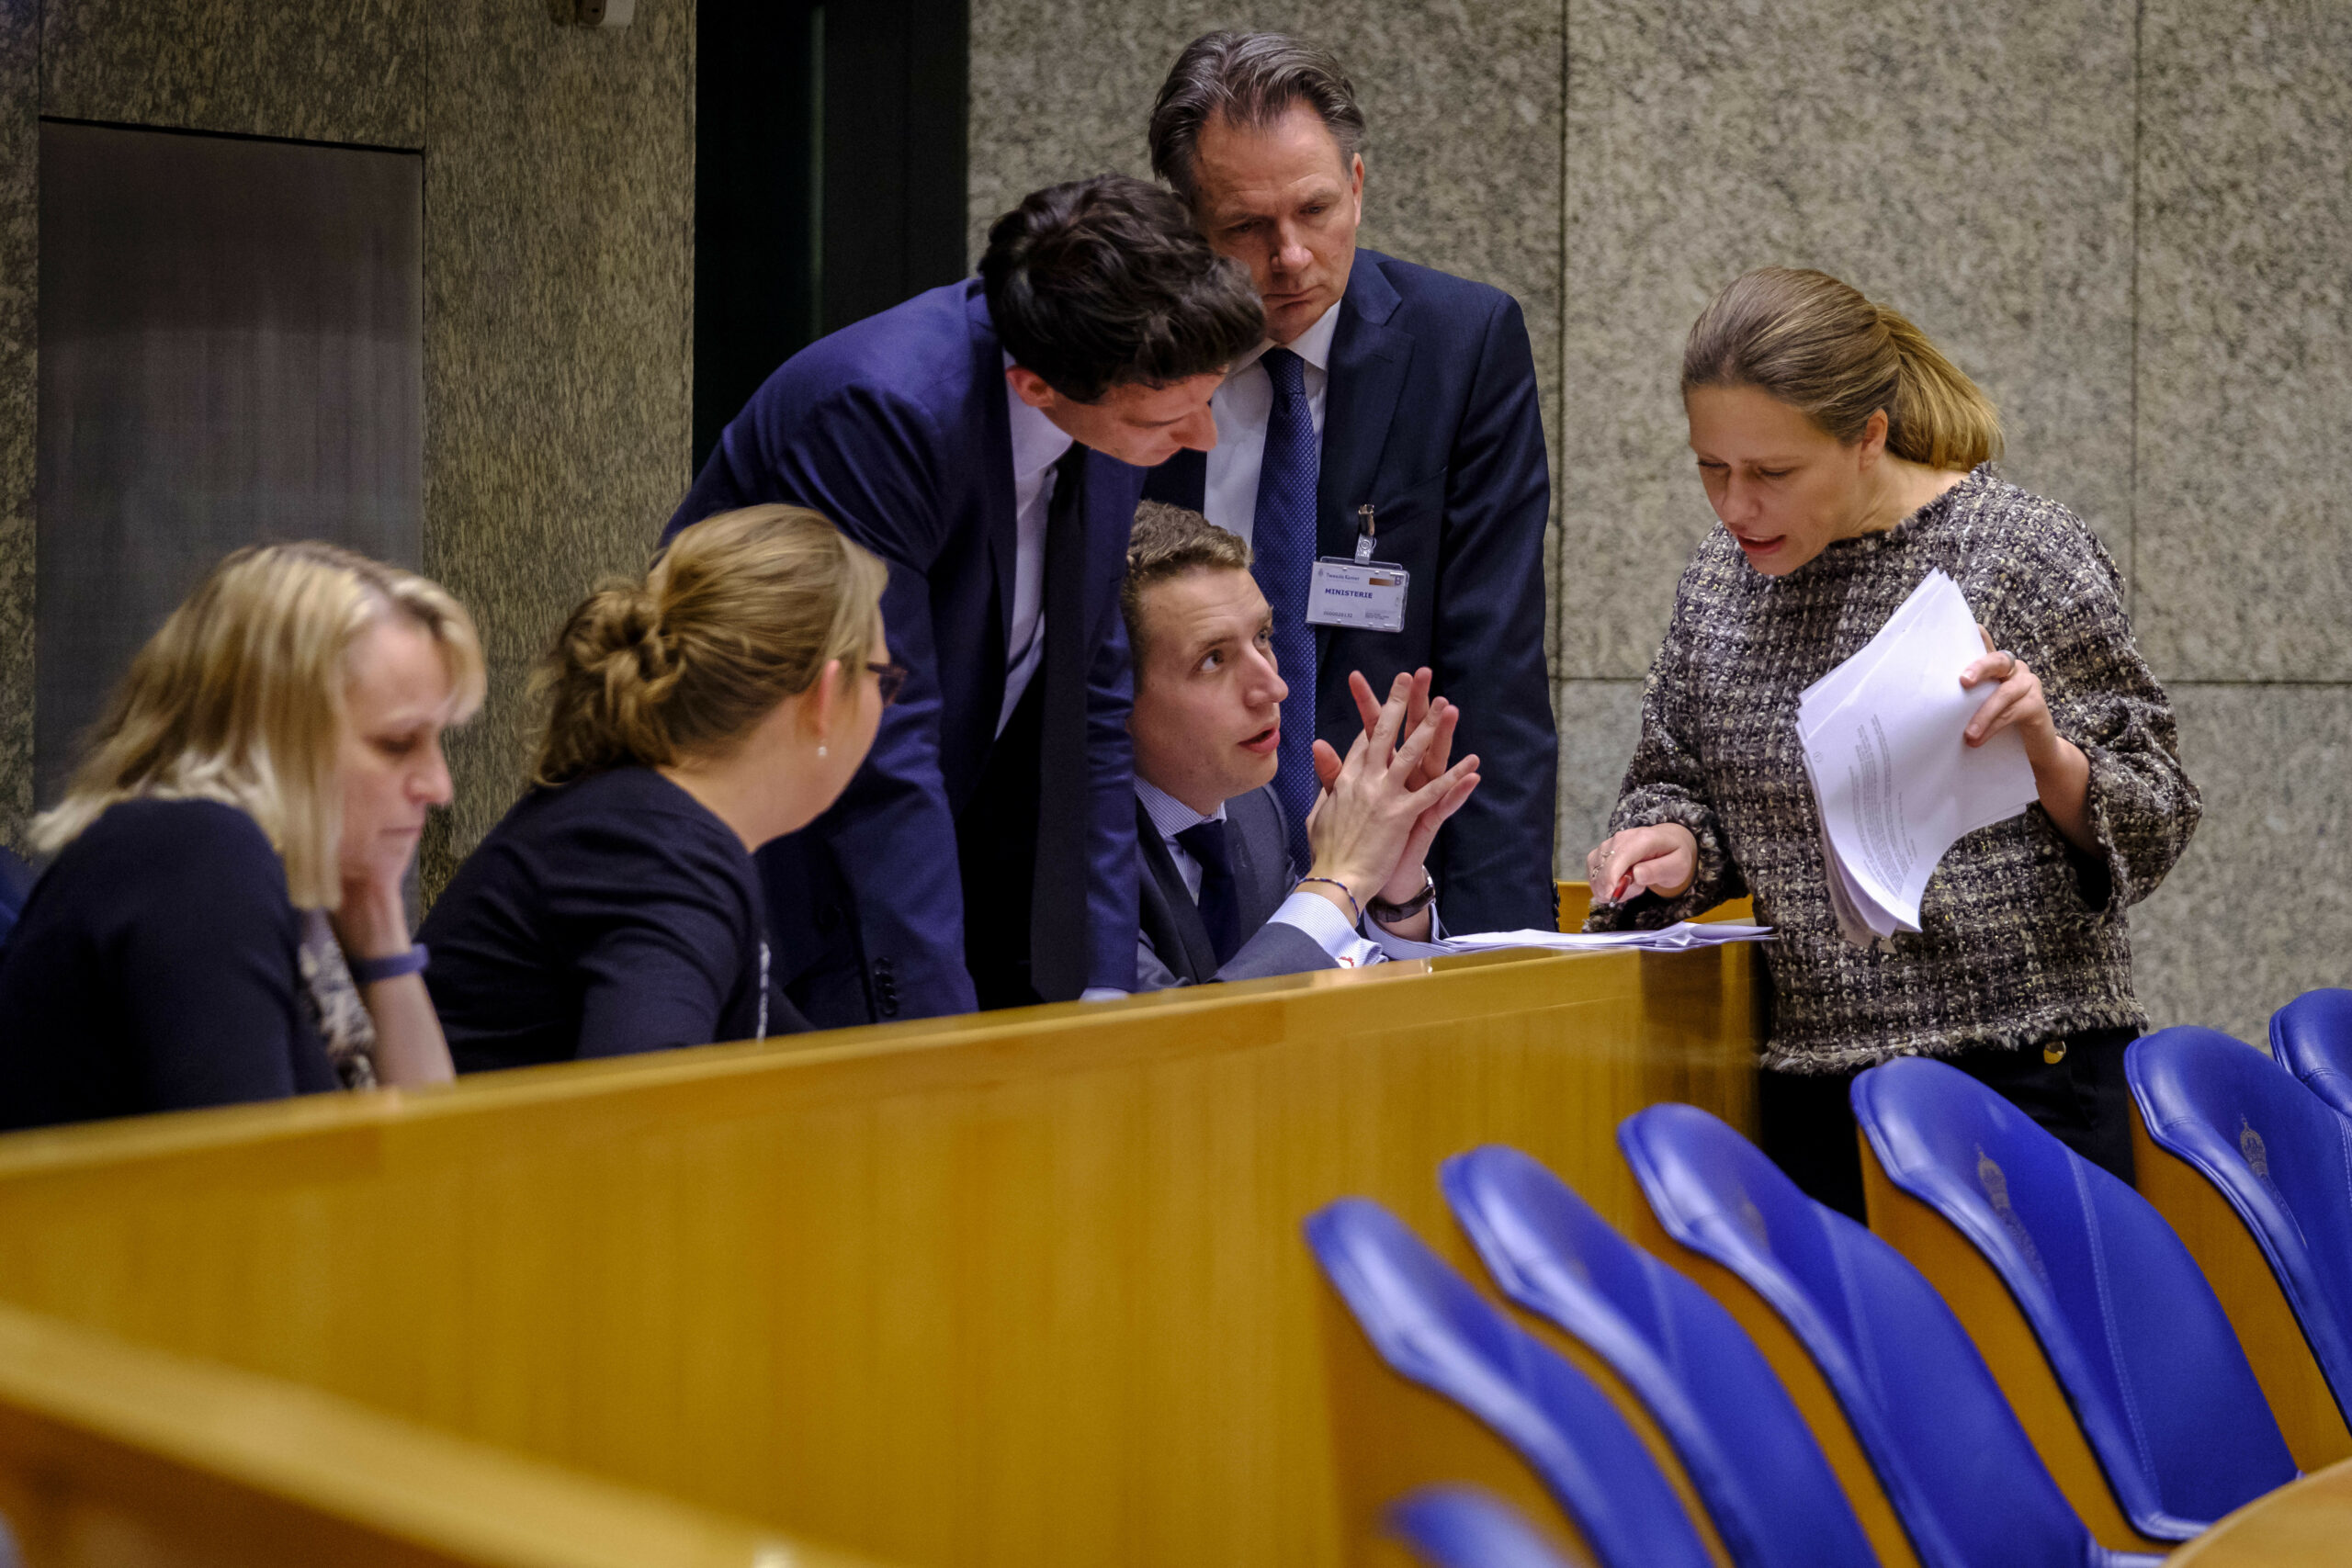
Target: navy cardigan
154,968
610,915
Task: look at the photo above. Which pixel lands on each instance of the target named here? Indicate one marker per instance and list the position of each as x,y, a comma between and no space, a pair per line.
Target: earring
820,749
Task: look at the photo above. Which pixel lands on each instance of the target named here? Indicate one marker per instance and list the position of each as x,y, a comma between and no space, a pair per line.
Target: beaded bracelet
369,971
1343,890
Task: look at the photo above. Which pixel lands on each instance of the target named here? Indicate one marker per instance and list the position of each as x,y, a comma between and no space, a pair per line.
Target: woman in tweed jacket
1846,458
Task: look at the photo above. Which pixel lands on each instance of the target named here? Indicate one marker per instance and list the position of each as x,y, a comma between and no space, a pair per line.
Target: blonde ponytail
740,612
1805,339
1940,418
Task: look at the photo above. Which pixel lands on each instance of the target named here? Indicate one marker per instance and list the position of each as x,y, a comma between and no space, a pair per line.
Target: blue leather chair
1775,1501
1431,1326
1969,1488
1461,1526
2281,1159
2312,1037
2132,1330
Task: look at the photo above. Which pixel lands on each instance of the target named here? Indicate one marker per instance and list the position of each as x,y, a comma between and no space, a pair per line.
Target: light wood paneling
114,1456
1023,1288
2233,1263
2012,1352
2304,1524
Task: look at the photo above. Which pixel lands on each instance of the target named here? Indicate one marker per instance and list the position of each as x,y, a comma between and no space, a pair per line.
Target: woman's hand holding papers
1661,859
2062,774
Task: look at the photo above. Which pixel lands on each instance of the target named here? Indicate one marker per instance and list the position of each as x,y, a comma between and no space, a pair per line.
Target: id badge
1366,595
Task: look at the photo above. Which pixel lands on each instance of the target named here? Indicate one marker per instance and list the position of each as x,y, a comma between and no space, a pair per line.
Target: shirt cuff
1395,946
1101,994
1329,929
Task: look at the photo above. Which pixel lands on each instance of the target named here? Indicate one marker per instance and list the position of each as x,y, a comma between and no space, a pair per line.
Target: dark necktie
1057,934
1281,536
1220,904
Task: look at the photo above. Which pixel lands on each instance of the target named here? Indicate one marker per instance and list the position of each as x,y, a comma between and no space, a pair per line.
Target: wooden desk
1025,1288
2302,1525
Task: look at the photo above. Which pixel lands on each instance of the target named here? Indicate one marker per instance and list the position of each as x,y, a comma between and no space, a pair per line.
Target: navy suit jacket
1174,948
1431,416
897,429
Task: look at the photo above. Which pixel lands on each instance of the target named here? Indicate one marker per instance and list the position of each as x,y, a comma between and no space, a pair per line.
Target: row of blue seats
2147,1358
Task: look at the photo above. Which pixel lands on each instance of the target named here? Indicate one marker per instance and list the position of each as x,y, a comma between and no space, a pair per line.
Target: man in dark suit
986,440
1221,898
1384,385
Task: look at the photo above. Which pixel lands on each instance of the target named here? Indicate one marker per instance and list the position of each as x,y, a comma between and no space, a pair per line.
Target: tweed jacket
2022,936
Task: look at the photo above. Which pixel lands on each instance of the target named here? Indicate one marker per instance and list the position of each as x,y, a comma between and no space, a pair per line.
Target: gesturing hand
1373,806
1410,874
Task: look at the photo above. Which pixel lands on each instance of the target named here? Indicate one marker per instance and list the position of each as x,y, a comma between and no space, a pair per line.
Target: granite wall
2129,219
1462,159
20,324
558,270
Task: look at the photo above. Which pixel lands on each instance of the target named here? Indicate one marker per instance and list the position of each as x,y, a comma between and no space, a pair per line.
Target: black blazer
1432,418
156,967
608,916
1174,948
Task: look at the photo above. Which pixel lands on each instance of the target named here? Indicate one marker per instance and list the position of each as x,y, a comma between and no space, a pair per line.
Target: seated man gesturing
1221,900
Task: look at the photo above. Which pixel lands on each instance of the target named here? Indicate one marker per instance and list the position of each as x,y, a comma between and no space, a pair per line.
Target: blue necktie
1281,535
1220,900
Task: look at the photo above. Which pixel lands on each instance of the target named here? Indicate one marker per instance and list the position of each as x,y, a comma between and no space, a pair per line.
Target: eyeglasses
890,680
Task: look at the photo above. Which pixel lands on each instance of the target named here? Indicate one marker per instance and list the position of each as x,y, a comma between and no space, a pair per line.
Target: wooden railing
1023,1288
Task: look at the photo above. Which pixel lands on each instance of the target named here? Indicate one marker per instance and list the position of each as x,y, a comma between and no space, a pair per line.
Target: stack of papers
1894,782
1673,939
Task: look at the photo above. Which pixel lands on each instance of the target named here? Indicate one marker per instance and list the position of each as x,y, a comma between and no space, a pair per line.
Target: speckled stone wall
1462,154
350,71
2130,220
19,320
559,329
558,281
2243,523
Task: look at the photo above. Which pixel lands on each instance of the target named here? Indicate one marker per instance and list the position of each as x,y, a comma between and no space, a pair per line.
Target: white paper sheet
1894,782
1672,939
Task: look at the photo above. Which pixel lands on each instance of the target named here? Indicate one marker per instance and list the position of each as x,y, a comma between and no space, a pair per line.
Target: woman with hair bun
723,700
1845,458
223,920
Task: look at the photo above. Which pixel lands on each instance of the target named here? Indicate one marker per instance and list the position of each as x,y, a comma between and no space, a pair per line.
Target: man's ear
1029,386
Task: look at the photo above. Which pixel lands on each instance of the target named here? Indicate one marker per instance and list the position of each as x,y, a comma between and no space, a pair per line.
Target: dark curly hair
1104,283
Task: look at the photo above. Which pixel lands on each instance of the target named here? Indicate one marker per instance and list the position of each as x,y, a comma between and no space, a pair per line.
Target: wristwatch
1389,914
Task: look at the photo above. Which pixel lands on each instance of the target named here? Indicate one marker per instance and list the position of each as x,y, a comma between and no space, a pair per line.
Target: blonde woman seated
223,920
724,701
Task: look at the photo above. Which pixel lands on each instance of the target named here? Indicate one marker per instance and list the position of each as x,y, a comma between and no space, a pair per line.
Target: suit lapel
996,455
1368,362
1261,850
1170,916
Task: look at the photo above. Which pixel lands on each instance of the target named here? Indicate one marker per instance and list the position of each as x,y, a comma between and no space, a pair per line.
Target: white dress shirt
1038,445
1308,912
1242,406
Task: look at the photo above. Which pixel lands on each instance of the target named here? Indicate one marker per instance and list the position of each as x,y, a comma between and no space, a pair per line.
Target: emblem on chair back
2258,1157
1997,1192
